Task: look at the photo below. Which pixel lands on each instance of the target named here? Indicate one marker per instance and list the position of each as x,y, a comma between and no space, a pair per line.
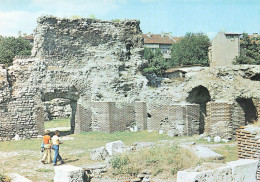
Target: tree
191,49
156,63
249,50
11,47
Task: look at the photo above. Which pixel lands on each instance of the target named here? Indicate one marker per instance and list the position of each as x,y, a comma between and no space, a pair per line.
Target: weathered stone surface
99,153
18,178
78,60
57,108
217,139
68,173
242,170
117,147
142,145
202,152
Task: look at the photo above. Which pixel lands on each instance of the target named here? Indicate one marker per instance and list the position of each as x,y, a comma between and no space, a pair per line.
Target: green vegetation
116,20
167,159
11,47
57,123
249,50
44,170
4,178
229,151
156,63
191,49
160,161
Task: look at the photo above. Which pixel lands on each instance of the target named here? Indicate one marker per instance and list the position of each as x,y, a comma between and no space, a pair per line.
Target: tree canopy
191,49
249,50
156,63
11,47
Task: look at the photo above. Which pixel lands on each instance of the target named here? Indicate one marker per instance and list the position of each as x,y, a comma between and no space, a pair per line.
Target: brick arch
248,109
200,95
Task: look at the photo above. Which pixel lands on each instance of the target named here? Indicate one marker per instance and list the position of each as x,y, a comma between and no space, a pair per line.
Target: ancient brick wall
248,145
158,113
83,119
184,118
103,116
141,115
219,119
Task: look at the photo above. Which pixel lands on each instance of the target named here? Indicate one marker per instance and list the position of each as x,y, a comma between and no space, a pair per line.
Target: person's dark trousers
56,155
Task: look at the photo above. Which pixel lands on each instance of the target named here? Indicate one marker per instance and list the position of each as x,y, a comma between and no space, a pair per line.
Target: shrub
4,178
119,161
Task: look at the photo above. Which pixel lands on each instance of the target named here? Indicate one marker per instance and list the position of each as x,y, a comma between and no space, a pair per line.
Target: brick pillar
141,115
40,121
82,119
103,117
248,146
219,120
184,118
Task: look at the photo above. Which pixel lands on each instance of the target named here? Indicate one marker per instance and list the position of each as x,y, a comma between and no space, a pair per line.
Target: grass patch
228,151
4,178
161,160
166,159
44,170
57,123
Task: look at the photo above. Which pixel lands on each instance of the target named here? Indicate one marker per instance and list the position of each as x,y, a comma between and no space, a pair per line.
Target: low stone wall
242,170
249,144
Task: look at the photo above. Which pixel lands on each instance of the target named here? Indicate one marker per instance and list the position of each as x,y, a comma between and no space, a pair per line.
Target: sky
156,16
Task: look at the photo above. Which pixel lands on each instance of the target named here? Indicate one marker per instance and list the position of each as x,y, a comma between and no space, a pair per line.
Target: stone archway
200,95
248,108
71,95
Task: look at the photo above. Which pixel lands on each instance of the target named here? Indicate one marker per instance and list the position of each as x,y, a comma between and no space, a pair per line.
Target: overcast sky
176,16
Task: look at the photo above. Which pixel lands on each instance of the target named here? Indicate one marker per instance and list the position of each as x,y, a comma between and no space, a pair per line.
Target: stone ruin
94,66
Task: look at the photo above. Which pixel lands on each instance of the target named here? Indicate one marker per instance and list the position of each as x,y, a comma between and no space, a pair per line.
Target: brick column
248,146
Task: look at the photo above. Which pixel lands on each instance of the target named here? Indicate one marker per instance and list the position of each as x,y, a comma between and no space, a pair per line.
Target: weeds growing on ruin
4,178
166,159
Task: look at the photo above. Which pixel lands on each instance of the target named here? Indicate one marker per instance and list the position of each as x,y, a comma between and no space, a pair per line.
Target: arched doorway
200,95
249,109
71,95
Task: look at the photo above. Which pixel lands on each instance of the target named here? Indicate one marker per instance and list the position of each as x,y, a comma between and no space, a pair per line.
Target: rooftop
159,38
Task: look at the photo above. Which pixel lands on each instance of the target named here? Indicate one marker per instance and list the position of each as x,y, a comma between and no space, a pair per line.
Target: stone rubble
242,170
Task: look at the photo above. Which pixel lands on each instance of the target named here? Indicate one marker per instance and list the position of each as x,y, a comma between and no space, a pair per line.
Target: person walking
46,159
55,145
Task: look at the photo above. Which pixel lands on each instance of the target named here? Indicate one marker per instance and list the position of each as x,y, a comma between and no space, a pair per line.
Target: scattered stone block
217,139
160,132
17,137
68,173
243,170
99,153
117,147
18,178
171,133
140,145
202,152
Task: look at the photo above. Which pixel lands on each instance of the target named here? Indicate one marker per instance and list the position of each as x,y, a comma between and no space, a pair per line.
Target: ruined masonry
90,70
248,139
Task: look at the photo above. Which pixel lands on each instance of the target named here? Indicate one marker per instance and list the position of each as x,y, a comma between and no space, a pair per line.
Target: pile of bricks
248,145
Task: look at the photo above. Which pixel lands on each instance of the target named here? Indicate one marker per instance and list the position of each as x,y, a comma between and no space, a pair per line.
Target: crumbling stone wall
71,59
57,109
89,60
